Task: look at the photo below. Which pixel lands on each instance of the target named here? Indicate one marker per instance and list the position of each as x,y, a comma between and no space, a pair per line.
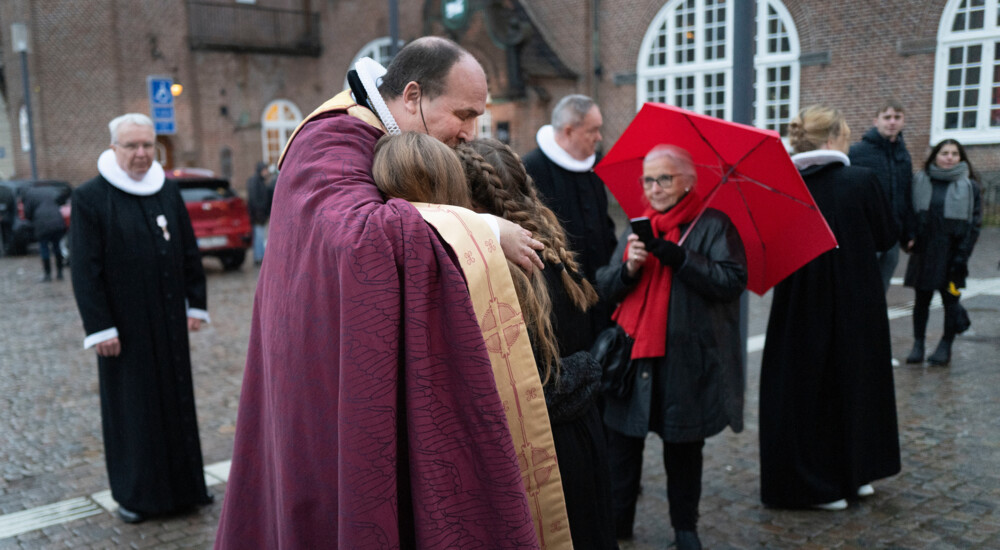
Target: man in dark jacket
41,208
562,168
260,193
882,149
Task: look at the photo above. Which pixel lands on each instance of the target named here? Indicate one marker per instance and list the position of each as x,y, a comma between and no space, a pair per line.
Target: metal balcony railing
243,28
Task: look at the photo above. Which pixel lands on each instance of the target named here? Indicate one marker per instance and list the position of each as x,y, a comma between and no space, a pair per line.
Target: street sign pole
161,104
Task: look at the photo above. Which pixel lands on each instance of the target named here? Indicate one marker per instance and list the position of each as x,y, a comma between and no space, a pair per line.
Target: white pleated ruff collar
546,139
819,157
151,183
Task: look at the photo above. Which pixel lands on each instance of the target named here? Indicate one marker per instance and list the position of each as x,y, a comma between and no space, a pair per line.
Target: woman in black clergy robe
140,287
827,402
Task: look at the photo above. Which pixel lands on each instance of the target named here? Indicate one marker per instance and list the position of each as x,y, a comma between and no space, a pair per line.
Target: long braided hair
499,185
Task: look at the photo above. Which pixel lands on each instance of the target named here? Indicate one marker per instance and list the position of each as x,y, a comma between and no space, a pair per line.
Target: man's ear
411,96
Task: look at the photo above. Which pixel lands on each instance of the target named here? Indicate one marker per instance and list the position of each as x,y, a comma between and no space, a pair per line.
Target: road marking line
974,287
32,519
17,523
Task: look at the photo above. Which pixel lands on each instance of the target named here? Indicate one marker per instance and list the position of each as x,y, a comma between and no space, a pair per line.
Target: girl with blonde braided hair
554,302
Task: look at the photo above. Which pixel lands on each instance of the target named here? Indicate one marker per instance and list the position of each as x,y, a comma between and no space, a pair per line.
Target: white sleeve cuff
198,314
492,222
98,337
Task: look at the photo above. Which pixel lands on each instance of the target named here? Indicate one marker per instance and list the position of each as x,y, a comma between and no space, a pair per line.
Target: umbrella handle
690,227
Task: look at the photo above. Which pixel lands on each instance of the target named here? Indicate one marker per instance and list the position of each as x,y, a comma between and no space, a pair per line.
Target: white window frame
700,67
987,37
283,126
373,50
484,122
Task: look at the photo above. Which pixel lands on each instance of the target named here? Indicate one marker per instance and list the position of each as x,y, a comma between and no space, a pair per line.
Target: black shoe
917,353
687,540
128,516
942,355
209,498
47,278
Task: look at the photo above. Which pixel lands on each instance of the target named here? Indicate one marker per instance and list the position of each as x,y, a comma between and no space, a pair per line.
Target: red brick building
251,69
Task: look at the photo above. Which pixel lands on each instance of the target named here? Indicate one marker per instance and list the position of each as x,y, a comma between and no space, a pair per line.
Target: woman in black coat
946,200
827,401
682,308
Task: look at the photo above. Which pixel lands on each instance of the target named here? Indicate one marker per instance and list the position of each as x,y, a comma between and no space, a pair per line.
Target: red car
220,218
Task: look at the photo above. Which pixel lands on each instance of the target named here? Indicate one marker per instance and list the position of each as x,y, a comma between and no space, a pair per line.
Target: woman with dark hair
680,304
946,200
827,400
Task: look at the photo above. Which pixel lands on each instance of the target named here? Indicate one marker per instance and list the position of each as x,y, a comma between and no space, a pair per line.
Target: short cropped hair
680,157
571,110
890,104
137,119
426,61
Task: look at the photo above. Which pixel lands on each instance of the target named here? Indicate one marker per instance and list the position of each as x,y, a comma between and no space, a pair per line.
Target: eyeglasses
663,180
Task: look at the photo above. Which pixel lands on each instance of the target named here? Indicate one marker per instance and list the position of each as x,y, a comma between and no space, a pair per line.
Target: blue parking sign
161,104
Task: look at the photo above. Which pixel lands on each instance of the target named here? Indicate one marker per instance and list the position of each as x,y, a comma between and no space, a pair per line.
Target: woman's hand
637,255
518,246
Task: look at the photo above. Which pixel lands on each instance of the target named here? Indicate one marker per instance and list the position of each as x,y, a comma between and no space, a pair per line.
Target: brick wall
90,59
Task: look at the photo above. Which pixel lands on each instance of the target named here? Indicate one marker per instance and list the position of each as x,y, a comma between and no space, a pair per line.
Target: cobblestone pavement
947,496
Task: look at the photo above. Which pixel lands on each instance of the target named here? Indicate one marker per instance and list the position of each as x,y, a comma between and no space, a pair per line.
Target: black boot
917,353
47,267
942,355
687,540
59,267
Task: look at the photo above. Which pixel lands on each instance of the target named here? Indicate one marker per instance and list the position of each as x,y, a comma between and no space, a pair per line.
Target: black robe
577,430
581,204
128,276
827,401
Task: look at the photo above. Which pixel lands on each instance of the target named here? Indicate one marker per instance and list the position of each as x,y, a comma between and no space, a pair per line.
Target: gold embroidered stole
520,388
340,102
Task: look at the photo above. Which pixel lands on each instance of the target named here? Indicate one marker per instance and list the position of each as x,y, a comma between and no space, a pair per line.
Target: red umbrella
742,171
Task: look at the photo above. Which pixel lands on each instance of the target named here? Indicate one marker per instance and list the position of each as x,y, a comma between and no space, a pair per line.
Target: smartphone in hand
643,228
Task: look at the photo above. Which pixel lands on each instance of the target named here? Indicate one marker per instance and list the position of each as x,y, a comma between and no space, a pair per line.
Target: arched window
686,60
484,122
378,50
279,120
967,73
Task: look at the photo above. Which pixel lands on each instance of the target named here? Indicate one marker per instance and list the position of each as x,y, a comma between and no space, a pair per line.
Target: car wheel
232,260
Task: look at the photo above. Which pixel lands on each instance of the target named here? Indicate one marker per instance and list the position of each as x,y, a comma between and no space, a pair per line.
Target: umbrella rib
775,190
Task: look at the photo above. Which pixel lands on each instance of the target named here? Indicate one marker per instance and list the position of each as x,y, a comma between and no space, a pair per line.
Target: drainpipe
595,50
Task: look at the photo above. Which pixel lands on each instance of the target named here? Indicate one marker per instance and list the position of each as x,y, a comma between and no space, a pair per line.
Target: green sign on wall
455,13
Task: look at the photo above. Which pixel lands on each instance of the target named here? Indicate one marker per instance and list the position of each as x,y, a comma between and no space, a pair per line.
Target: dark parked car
17,231
220,218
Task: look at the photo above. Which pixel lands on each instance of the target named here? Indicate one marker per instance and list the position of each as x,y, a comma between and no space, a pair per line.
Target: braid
532,291
515,198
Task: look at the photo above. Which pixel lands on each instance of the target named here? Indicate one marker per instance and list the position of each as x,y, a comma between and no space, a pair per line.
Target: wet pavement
947,496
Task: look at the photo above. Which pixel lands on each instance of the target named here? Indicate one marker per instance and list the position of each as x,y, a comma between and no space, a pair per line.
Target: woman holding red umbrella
827,402
680,304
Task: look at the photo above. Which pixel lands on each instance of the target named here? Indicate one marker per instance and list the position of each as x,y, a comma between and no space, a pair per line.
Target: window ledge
967,137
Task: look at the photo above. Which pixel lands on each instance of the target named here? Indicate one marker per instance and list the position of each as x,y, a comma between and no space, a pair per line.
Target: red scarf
643,313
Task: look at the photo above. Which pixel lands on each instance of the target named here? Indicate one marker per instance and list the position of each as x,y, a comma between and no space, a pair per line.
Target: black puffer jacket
891,163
